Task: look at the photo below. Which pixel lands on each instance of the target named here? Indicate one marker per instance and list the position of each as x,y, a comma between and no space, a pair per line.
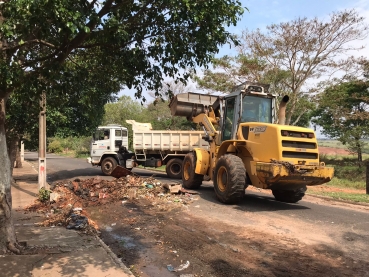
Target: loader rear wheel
108,165
190,179
174,168
230,179
289,196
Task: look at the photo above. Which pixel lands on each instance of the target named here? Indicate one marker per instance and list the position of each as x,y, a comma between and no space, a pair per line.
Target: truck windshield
102,134
256,109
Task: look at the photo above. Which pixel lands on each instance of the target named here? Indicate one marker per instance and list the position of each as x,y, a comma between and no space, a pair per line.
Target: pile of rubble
67,199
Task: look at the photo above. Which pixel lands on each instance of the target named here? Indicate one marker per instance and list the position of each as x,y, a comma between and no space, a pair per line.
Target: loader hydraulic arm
208,123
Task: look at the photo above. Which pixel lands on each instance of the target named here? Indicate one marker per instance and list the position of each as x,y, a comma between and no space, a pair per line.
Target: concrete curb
114,257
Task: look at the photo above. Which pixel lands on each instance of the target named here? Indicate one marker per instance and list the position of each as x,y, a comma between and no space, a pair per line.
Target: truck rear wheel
174,168
229,179
108,165
289,196
191,180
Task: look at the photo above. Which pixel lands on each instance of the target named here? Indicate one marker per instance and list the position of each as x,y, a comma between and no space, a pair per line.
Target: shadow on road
251,202
70,174
152,174
22,189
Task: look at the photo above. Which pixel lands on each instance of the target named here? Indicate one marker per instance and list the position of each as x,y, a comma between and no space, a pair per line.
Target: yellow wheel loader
249,145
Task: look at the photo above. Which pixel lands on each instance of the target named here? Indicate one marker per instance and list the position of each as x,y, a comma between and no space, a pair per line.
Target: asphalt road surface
339,226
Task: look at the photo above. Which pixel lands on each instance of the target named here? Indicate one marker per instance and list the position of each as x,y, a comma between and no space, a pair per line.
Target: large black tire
190,179
108,165
174,168
289,196
229,179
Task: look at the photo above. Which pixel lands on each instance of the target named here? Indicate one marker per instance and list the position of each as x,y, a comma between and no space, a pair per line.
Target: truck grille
300,152
299,144
299,155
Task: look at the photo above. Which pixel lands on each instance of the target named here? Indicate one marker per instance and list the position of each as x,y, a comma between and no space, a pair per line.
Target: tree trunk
8,239
359,152
18,159
12,152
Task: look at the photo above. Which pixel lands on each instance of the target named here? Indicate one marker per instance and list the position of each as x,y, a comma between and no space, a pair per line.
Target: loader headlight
255,89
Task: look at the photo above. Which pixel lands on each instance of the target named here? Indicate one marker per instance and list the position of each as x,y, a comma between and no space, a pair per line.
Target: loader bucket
278,176
191,104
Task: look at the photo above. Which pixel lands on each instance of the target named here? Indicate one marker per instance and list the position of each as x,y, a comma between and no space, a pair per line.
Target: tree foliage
147,39
343,112
75,104
158,112
291,56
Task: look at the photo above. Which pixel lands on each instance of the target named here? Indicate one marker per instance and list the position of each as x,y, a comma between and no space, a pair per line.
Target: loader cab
247,103
256,109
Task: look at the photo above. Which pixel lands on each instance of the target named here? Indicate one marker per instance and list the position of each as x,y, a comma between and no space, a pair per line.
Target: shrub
43,195
79,146
55,146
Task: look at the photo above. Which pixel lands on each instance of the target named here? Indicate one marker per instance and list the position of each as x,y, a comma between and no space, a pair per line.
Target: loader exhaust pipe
282,110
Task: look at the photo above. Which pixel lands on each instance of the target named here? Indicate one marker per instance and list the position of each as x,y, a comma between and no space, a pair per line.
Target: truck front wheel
191,180
108,165
229,179
174,168
289,196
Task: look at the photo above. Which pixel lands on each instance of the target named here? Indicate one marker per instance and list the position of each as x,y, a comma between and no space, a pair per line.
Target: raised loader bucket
191,104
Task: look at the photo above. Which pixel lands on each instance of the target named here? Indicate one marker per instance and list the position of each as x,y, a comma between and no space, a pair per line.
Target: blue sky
265,12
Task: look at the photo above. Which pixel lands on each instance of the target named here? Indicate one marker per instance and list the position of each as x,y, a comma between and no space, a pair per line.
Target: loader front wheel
190,179
230,179
108,165
289,196
174,168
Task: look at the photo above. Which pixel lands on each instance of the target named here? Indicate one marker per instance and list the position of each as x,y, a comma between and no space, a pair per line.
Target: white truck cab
107,144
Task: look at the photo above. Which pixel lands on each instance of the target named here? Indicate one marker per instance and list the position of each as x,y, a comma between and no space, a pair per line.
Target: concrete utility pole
22,151
42,143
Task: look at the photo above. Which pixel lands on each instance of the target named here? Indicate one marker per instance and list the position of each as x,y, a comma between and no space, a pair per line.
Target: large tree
292,56
144,39
75,105
343,113
158,111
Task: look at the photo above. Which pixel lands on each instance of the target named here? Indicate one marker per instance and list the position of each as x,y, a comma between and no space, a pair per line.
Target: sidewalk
58,251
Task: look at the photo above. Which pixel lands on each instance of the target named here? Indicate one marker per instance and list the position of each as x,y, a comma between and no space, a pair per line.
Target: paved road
314,221
61,168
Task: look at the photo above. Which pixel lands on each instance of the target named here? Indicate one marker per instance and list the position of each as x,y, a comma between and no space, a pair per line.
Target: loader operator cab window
256,109
228,118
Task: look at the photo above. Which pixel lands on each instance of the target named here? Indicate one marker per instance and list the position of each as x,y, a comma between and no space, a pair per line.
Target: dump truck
151,148
250,145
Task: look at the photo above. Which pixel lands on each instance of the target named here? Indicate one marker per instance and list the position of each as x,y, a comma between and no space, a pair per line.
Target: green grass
75,154
345,183
354,197
337,144
330,143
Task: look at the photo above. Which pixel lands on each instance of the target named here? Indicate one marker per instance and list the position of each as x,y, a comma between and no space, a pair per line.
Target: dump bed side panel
169,140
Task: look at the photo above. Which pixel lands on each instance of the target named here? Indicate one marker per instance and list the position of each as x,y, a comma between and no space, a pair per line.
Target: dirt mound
333,151
68,200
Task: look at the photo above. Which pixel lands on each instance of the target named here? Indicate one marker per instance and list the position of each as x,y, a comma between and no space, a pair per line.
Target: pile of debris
67,199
